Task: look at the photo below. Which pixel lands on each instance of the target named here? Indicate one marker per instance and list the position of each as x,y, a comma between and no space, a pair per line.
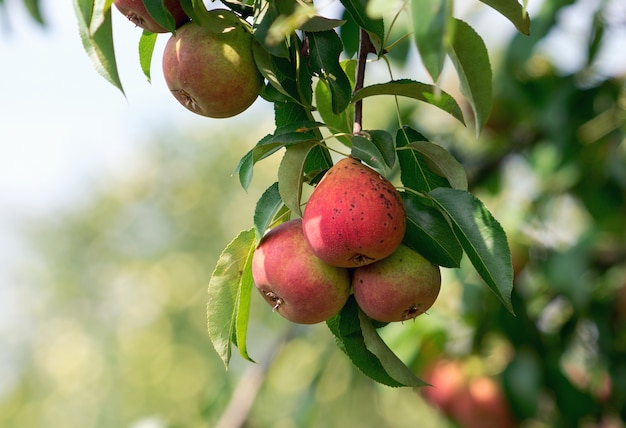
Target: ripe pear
295,283
397,288
354,217
210,69
136,12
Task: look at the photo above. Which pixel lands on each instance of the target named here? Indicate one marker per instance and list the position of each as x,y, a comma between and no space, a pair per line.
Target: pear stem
365,47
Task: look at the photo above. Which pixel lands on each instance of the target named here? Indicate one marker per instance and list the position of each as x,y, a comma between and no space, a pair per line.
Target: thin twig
365,47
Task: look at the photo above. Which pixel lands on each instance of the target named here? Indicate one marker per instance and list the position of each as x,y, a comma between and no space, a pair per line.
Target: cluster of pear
209,68
349,240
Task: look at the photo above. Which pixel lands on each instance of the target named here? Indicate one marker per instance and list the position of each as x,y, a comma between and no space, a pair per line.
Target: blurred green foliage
118,285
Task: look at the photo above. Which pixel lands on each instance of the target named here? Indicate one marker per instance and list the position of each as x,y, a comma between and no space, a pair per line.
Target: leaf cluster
315,82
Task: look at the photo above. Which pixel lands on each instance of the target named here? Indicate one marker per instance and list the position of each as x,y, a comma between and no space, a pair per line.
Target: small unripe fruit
136,12
354,217
210,69
397,288
293,281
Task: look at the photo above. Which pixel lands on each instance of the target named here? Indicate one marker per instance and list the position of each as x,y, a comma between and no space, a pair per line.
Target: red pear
354,217
298,285
136,12
397,288
210,69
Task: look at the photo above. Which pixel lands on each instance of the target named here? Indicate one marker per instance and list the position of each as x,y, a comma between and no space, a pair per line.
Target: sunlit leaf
98,42
482,238
267,206
471,60
227,287
416,90
432,28
146,49
291,175
513,11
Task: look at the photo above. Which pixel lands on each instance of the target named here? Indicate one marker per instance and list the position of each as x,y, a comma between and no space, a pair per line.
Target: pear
398,288
210,68
295,283
136,12
354,217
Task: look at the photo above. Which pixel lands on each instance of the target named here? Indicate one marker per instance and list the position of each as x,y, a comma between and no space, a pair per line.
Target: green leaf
441,162
342,122
414,170
324,50
284,136
195,10
157,10
146,49
346,327
514,12
471,60
34,9
416,90
376,148
374,27
432,32
291,175
429,233
229,287
263,23
320,23
98,42
388,359
267,206
482,238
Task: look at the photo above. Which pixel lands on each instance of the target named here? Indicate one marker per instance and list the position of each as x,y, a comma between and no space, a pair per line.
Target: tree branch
365,47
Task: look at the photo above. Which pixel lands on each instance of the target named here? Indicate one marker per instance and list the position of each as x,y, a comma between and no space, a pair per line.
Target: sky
64,128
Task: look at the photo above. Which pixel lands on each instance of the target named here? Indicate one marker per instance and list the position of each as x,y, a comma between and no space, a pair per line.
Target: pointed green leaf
228,287
432,32
267,206
471,60
514,12
390,362
376,148
157,10
374,27
346,327
146,49
441,162
34,9
320,23
98,42
482,238
324,50
416,90
342,122
284,136
415,173
291,175
429,233
243,305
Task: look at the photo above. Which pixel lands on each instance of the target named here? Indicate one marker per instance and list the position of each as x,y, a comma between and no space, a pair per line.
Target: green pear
136,12
210,69
295,283
397,288
354,217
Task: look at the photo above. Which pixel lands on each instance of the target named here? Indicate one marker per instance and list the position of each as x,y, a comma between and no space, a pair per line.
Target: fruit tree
383,208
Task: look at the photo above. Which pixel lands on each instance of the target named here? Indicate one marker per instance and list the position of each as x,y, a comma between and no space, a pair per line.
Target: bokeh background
114,209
